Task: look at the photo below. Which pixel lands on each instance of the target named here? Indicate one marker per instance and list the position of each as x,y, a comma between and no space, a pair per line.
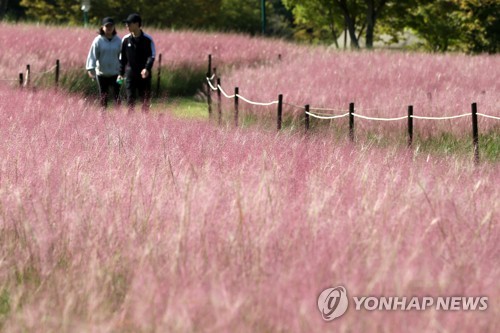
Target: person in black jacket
136,61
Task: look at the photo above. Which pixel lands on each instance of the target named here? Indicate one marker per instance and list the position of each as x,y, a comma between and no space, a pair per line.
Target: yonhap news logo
333,303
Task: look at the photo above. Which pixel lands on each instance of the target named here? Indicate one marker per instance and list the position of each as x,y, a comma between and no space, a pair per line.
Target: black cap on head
133,18
108,20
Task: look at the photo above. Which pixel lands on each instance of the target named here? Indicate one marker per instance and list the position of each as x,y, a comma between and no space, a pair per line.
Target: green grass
185,108
447,144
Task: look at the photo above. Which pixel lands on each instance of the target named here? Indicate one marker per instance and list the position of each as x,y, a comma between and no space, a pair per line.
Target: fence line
442,118
256,103
326,117
488,116
308,112
378,118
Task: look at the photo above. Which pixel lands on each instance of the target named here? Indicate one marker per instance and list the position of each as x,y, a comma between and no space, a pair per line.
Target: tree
57,11
444,25
316,20
479,22
359,16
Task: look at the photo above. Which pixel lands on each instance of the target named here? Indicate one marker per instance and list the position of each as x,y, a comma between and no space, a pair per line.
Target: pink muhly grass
380,83
41,45
116,222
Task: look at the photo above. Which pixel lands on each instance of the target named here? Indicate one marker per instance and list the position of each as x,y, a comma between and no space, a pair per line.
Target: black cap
133,18
108,20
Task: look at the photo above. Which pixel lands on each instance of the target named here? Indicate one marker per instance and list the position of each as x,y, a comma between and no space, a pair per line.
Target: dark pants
105,83
138,87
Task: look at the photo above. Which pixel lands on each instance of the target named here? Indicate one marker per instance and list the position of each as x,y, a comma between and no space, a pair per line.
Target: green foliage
234,15
316,20
52,11
442,25
449,25
479,24
438,24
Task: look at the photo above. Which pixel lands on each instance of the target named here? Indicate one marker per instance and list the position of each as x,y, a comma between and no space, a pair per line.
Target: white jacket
103,58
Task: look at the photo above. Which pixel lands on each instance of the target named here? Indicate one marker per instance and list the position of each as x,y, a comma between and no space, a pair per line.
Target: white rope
210,84
442,118
322,116
488,116
256,103
224,93
327,117
381,119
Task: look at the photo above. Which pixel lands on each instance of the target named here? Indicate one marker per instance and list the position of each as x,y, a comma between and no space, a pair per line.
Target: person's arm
123,57
152,55
151,52
92,59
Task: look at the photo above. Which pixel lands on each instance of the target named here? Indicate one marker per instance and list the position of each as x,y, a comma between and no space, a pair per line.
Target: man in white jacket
103,61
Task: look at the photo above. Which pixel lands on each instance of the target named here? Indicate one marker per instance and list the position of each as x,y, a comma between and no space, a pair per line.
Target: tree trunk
3,8
332,27
370,23
371,18
350,23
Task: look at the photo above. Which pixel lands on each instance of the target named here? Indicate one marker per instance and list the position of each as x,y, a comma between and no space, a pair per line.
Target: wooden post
236,92
27,79
209,71
280,110
159,77
306,113
219,101
21,79
209,90
351,121
58,64
475,133
410,126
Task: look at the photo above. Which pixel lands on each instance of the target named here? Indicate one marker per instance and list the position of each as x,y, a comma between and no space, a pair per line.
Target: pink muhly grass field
137,223
380,83
41,45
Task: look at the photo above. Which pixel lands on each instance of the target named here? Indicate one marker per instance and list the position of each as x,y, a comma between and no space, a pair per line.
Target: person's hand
91,75
119,78
144,73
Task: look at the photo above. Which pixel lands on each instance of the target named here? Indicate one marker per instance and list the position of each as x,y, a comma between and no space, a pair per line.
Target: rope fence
313,112
27,78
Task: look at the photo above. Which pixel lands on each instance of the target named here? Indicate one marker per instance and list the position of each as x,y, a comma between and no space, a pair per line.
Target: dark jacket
136,54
